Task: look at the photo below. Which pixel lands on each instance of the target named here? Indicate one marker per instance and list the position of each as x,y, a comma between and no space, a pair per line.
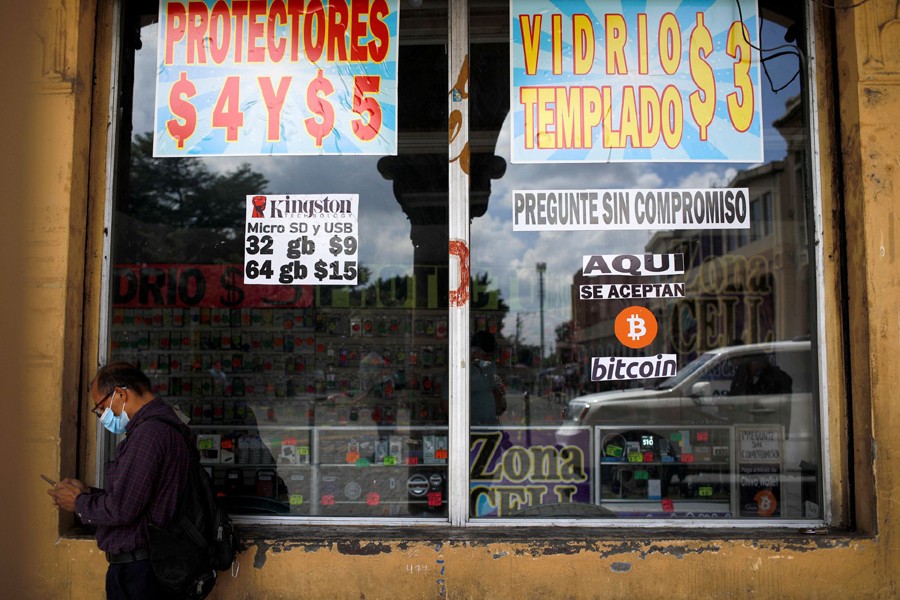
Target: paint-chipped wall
565,568
571,567
859,127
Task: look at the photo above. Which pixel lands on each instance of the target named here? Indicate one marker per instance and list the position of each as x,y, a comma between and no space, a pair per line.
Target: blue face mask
115,424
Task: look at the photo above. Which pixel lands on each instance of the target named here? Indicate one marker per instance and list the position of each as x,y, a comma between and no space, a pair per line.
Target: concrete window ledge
311,535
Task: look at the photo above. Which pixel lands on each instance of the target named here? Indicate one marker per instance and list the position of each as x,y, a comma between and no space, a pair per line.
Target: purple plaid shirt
143,482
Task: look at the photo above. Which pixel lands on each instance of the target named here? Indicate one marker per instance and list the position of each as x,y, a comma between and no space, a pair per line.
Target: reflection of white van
745,385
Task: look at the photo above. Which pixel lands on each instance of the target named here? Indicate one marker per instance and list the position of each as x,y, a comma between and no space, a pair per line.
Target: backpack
199,541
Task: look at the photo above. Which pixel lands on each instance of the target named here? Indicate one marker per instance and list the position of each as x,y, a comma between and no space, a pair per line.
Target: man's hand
65,492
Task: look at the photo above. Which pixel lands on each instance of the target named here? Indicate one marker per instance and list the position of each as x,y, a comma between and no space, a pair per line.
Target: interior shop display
308,411
692,472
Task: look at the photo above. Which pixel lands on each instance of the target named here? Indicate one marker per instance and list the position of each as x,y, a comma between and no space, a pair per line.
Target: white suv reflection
769,383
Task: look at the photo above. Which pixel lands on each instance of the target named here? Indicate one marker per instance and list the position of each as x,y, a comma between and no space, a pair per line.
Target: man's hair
121,374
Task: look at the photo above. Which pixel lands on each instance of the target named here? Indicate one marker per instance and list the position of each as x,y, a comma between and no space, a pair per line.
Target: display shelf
328,470
658,469
323,410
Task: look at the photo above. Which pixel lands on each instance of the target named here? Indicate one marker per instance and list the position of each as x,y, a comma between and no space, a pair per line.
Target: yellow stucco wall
782,568
861,181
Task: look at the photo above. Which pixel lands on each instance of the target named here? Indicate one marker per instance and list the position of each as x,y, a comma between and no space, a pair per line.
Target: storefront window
316,399
651,371
637,369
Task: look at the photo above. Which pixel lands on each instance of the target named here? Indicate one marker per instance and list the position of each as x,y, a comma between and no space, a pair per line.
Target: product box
289,455
266,483
226,451
381,450
395,449
209,446
434,449
703,453
298,492
303,455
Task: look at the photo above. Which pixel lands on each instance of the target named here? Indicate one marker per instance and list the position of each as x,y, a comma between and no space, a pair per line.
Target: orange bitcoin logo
636,327
766,503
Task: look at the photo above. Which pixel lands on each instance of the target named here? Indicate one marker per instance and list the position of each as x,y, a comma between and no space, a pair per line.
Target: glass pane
714,414
312,400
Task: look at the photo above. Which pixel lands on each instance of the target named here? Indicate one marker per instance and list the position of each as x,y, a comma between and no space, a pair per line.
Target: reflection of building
749,285
592,321
745,284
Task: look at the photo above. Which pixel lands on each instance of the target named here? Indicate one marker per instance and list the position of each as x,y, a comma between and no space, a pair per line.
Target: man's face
99,401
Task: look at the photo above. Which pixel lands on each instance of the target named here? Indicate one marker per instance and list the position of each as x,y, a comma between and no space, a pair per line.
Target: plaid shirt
143,482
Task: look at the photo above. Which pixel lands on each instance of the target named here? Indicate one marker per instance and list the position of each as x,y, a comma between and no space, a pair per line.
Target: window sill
533,536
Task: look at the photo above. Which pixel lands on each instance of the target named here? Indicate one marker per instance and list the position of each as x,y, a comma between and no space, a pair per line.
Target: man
143,482
758,376
487,393
486,390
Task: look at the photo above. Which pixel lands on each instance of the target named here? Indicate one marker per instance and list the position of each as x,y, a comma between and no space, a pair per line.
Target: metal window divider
458,257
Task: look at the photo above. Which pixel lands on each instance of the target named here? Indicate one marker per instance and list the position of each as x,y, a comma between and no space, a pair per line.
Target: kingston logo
259,207
288,207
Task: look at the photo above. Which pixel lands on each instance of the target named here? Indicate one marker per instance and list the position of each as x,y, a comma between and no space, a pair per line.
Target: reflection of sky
510,257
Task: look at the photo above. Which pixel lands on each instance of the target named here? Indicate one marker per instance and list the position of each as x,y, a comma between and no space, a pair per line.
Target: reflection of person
486,393
757,376
268,492
377,389
143,482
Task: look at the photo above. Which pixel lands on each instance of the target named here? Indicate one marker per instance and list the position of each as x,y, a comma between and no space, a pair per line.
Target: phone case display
306,411
210,360
385,367
666,471
258,469
382,471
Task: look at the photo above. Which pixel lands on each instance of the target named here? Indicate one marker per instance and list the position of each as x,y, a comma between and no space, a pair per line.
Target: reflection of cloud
145,80
713,177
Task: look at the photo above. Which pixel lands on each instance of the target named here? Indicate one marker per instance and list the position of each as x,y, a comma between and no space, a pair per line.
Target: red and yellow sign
239,77
189,285
629,80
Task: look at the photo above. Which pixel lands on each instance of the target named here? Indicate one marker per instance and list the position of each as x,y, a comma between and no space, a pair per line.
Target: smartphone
47,479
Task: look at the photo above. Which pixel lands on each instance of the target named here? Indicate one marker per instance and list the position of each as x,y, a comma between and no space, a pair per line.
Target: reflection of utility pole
525,385
541,267
515,352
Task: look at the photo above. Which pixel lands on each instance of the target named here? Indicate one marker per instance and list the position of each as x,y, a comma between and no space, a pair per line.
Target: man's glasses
96,410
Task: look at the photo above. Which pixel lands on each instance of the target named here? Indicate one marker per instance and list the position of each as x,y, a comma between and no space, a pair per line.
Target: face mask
114,424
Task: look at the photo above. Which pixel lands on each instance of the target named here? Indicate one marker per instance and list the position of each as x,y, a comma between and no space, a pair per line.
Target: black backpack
200,540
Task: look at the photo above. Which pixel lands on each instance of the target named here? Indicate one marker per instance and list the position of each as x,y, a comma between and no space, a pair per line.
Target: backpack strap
193,463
